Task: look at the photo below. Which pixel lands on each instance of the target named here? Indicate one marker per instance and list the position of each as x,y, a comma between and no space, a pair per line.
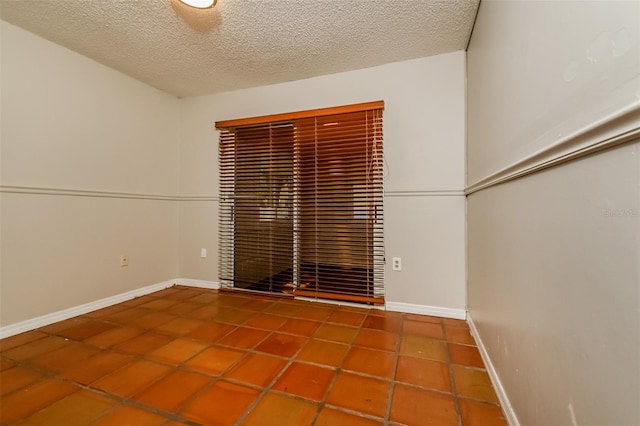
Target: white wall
70,124
424,151
553,257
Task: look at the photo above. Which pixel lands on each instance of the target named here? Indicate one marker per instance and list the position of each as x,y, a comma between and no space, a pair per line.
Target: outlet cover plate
397,264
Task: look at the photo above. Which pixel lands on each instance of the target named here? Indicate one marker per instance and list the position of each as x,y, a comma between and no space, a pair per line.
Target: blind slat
302,204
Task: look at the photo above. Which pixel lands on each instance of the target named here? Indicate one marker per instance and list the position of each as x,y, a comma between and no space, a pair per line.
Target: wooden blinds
301,203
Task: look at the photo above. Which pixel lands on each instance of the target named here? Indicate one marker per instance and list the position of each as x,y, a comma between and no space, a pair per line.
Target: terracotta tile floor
196,356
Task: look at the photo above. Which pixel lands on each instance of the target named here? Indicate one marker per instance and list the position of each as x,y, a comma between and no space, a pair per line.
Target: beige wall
542,70
69,123
553,257
424,151
90,170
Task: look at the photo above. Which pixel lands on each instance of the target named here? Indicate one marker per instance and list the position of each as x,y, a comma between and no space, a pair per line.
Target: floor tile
97,366
376,322
385,313
127,316
425,329
423,318
232,300
182,385
143,344
16,378
177,351
454,322
465,355
285,345
257,305
323,352
179,326
331,417
59,326
278,410
423,347
132,378
204,313
176,423
377,339
214,360
411,406
210,331
358,393
5,364
459,335
85,330
305,380
183,294
473,383
285,309
233,316
336,333
20,339
350,318
243,338
183,308
100,313
152,320
314,313
60,359
38,347
137,301
113,336
35,348
126,415
28,400
221,404
167,291
160,304
256,369
370,361
204,298
300,327
265,321
214,356
476,413
424,372
76,409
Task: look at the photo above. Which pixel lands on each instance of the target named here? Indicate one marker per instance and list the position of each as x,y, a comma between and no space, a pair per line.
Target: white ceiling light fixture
199,4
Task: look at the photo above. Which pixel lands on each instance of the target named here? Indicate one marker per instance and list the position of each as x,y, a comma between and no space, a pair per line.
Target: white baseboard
33,323
493,375
435,311
214,285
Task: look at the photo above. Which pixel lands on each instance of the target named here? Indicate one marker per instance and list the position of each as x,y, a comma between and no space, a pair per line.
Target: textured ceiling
245,43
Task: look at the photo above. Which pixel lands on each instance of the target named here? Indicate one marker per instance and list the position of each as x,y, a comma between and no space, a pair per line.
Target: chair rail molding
613,130
18,189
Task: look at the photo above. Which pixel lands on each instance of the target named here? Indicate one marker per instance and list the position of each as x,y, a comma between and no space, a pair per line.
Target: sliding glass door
261,200
302,205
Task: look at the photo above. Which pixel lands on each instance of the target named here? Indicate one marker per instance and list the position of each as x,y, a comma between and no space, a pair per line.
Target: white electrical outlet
203,253
397,264
124,260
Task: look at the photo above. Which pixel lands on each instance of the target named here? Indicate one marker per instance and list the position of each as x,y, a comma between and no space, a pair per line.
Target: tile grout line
454,391
400,333
236,322
135,358
291,360
338,371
